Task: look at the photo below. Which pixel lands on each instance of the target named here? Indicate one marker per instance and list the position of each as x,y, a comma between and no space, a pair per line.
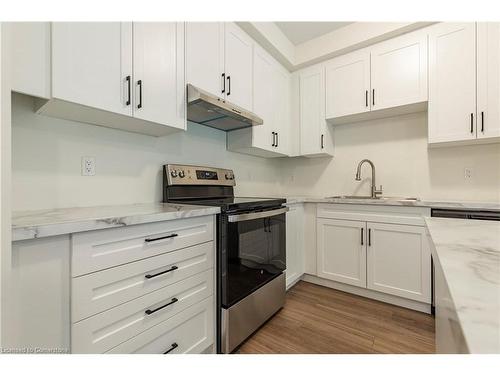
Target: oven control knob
181,174
173,173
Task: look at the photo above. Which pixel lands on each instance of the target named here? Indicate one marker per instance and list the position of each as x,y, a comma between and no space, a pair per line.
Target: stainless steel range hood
207,109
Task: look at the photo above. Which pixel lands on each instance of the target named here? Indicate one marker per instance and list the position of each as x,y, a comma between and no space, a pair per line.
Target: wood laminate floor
316,319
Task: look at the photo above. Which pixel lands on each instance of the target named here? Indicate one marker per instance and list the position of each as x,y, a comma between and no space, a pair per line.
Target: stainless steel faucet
375,192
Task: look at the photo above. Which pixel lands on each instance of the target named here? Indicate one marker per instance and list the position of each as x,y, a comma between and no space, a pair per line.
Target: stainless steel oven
251,248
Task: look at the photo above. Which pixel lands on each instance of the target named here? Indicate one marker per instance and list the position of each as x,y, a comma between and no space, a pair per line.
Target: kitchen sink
364,197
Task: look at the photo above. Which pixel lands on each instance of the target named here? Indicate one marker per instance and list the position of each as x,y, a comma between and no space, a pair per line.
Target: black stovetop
235,203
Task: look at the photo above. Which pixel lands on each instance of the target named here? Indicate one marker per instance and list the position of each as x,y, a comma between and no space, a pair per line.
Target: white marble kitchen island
466,256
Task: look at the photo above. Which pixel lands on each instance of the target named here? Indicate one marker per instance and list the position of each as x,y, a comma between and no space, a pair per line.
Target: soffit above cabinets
300,32
321,40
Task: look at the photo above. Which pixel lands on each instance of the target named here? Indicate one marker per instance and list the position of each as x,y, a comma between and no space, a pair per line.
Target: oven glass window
255,254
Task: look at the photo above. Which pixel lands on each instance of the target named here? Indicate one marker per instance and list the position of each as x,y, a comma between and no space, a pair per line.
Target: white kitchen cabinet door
342,251
265,97
159,81
30,58
399,261
294,244
282,82
348,84
452,82
399,71
488,80
205,56
315,139
91,62
238,50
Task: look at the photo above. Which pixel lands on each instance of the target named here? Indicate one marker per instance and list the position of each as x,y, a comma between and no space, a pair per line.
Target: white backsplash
46,158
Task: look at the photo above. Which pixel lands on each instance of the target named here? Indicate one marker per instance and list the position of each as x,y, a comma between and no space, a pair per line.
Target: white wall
46,157
404,164
47,151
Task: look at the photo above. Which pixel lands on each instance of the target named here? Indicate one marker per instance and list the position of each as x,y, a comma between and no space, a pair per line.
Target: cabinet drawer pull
274,139
482,122
322,141
173,268
149,311
228,85
223,83
172,347
472,123
277,139
139,83
362,236
373,97
128,90
366,98
369,237
161,238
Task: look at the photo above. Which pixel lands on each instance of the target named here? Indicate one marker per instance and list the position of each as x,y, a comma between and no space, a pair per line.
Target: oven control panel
178,174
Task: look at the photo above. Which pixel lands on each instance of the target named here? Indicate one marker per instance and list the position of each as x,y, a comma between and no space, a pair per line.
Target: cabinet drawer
190,331
102,290
106,330
97,250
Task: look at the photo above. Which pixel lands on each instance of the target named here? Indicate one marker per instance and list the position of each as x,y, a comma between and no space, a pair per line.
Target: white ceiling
300,32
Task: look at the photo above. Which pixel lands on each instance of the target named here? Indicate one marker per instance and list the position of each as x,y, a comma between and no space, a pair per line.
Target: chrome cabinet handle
277,139
229,85
223,83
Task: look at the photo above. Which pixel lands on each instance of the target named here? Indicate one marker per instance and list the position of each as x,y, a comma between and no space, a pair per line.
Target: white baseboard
393,300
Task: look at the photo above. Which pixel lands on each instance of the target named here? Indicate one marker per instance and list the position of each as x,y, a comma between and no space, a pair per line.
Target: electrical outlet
88,166
468,173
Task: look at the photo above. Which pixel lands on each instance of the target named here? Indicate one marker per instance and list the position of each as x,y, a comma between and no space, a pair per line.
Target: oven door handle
256,215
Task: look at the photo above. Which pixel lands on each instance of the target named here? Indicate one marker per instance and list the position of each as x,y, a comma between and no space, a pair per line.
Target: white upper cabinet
452,82
315,138
30,54
271,102
264,100
390,74
92,72
159,91
238,49
205,56
488,80
348,84
91,62
399,71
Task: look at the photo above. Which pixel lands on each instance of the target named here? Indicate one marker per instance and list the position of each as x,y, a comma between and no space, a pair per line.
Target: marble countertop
489,206
45,223
468,252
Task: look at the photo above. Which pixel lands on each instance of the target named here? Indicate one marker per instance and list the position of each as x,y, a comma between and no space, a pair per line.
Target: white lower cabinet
294,244
342,251
399,261
187,332
389,255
